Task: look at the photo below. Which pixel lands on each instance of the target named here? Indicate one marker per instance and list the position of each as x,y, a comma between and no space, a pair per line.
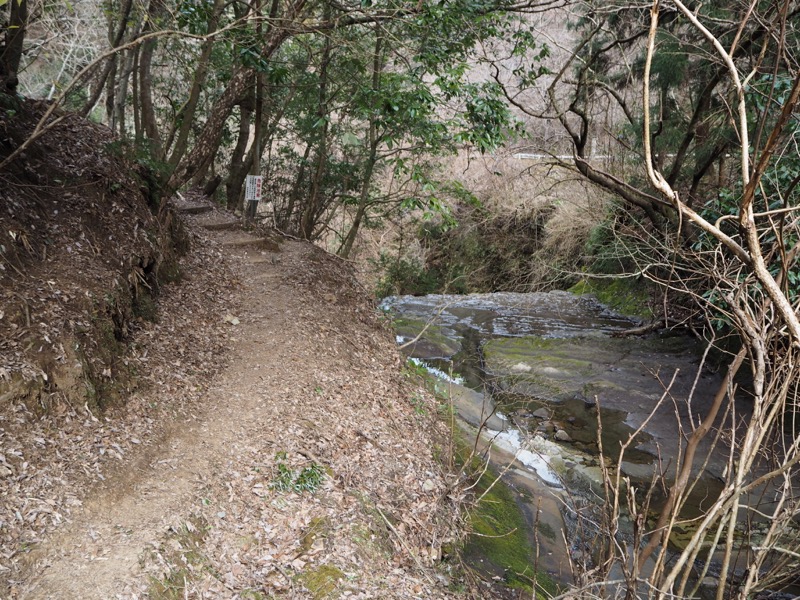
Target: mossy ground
551,368
321,581
317,529
499,543
507,352
185,547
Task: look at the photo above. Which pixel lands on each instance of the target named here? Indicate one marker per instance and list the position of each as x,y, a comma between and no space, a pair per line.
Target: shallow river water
540,374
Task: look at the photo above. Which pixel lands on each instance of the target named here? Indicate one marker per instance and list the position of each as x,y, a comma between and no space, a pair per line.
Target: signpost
252,194
253,187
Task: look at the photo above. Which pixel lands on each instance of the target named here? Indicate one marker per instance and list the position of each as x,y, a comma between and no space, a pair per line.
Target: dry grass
534,190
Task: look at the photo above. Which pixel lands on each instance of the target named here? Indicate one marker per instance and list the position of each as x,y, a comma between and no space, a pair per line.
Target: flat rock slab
630,375
620,370
432,341
475,408
554,314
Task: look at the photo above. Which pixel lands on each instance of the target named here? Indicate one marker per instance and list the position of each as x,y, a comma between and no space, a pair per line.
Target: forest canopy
684,115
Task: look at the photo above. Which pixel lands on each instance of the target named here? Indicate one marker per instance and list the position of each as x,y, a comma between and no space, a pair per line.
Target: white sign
253,187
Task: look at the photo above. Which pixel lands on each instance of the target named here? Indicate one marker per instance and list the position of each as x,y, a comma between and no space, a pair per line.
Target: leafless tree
731,257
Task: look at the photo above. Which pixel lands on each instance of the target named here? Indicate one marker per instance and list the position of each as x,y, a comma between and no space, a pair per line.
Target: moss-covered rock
499,541
626,296
551,369
433,341
555,369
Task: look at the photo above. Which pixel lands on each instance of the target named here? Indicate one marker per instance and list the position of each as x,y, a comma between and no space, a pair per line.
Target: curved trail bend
314,378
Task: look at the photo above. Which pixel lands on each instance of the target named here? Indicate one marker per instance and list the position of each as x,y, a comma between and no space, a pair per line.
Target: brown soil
266,361
312,377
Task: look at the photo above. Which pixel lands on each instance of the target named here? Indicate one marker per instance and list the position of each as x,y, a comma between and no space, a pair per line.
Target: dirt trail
314,380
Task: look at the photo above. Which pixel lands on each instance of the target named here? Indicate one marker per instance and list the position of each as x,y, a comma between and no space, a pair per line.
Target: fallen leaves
309,380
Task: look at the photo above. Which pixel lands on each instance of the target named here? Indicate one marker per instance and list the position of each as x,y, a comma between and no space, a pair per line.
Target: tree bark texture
187,113
238,167
11,47
209,138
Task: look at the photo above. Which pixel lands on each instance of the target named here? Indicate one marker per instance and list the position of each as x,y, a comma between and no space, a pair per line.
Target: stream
536,376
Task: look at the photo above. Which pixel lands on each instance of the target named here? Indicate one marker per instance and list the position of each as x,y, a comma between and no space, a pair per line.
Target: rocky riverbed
543,379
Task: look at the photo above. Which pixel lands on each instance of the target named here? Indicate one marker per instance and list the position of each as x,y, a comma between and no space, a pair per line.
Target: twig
439,311
391,527
642,330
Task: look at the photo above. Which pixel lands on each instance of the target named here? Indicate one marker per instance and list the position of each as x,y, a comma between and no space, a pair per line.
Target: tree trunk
315,201
111,87
238,167
186,115
137,114
11,47
209,138
372,159
115,39
146,106
286,222
202,172
207,142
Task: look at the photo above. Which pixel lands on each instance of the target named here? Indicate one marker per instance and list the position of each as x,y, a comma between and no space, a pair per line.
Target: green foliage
76,98
194,16
402,275
415,369
485,252
778,190
488,121
670,64
419,405
370,114
152,171
607,251
307,479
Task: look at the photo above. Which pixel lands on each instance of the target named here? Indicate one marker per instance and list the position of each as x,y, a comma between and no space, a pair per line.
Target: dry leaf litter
266,358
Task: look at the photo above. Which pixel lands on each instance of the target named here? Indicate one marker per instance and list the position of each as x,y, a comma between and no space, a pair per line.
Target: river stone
546,427
563,436
708,588
587,477
475,408
542,413
640,472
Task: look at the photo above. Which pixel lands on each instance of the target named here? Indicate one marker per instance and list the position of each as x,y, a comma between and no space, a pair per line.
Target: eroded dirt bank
183,493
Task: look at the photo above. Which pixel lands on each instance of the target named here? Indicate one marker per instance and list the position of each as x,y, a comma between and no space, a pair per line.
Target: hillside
188,410
85,246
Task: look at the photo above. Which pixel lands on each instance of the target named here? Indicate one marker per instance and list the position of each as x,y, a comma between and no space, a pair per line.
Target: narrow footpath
304,469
